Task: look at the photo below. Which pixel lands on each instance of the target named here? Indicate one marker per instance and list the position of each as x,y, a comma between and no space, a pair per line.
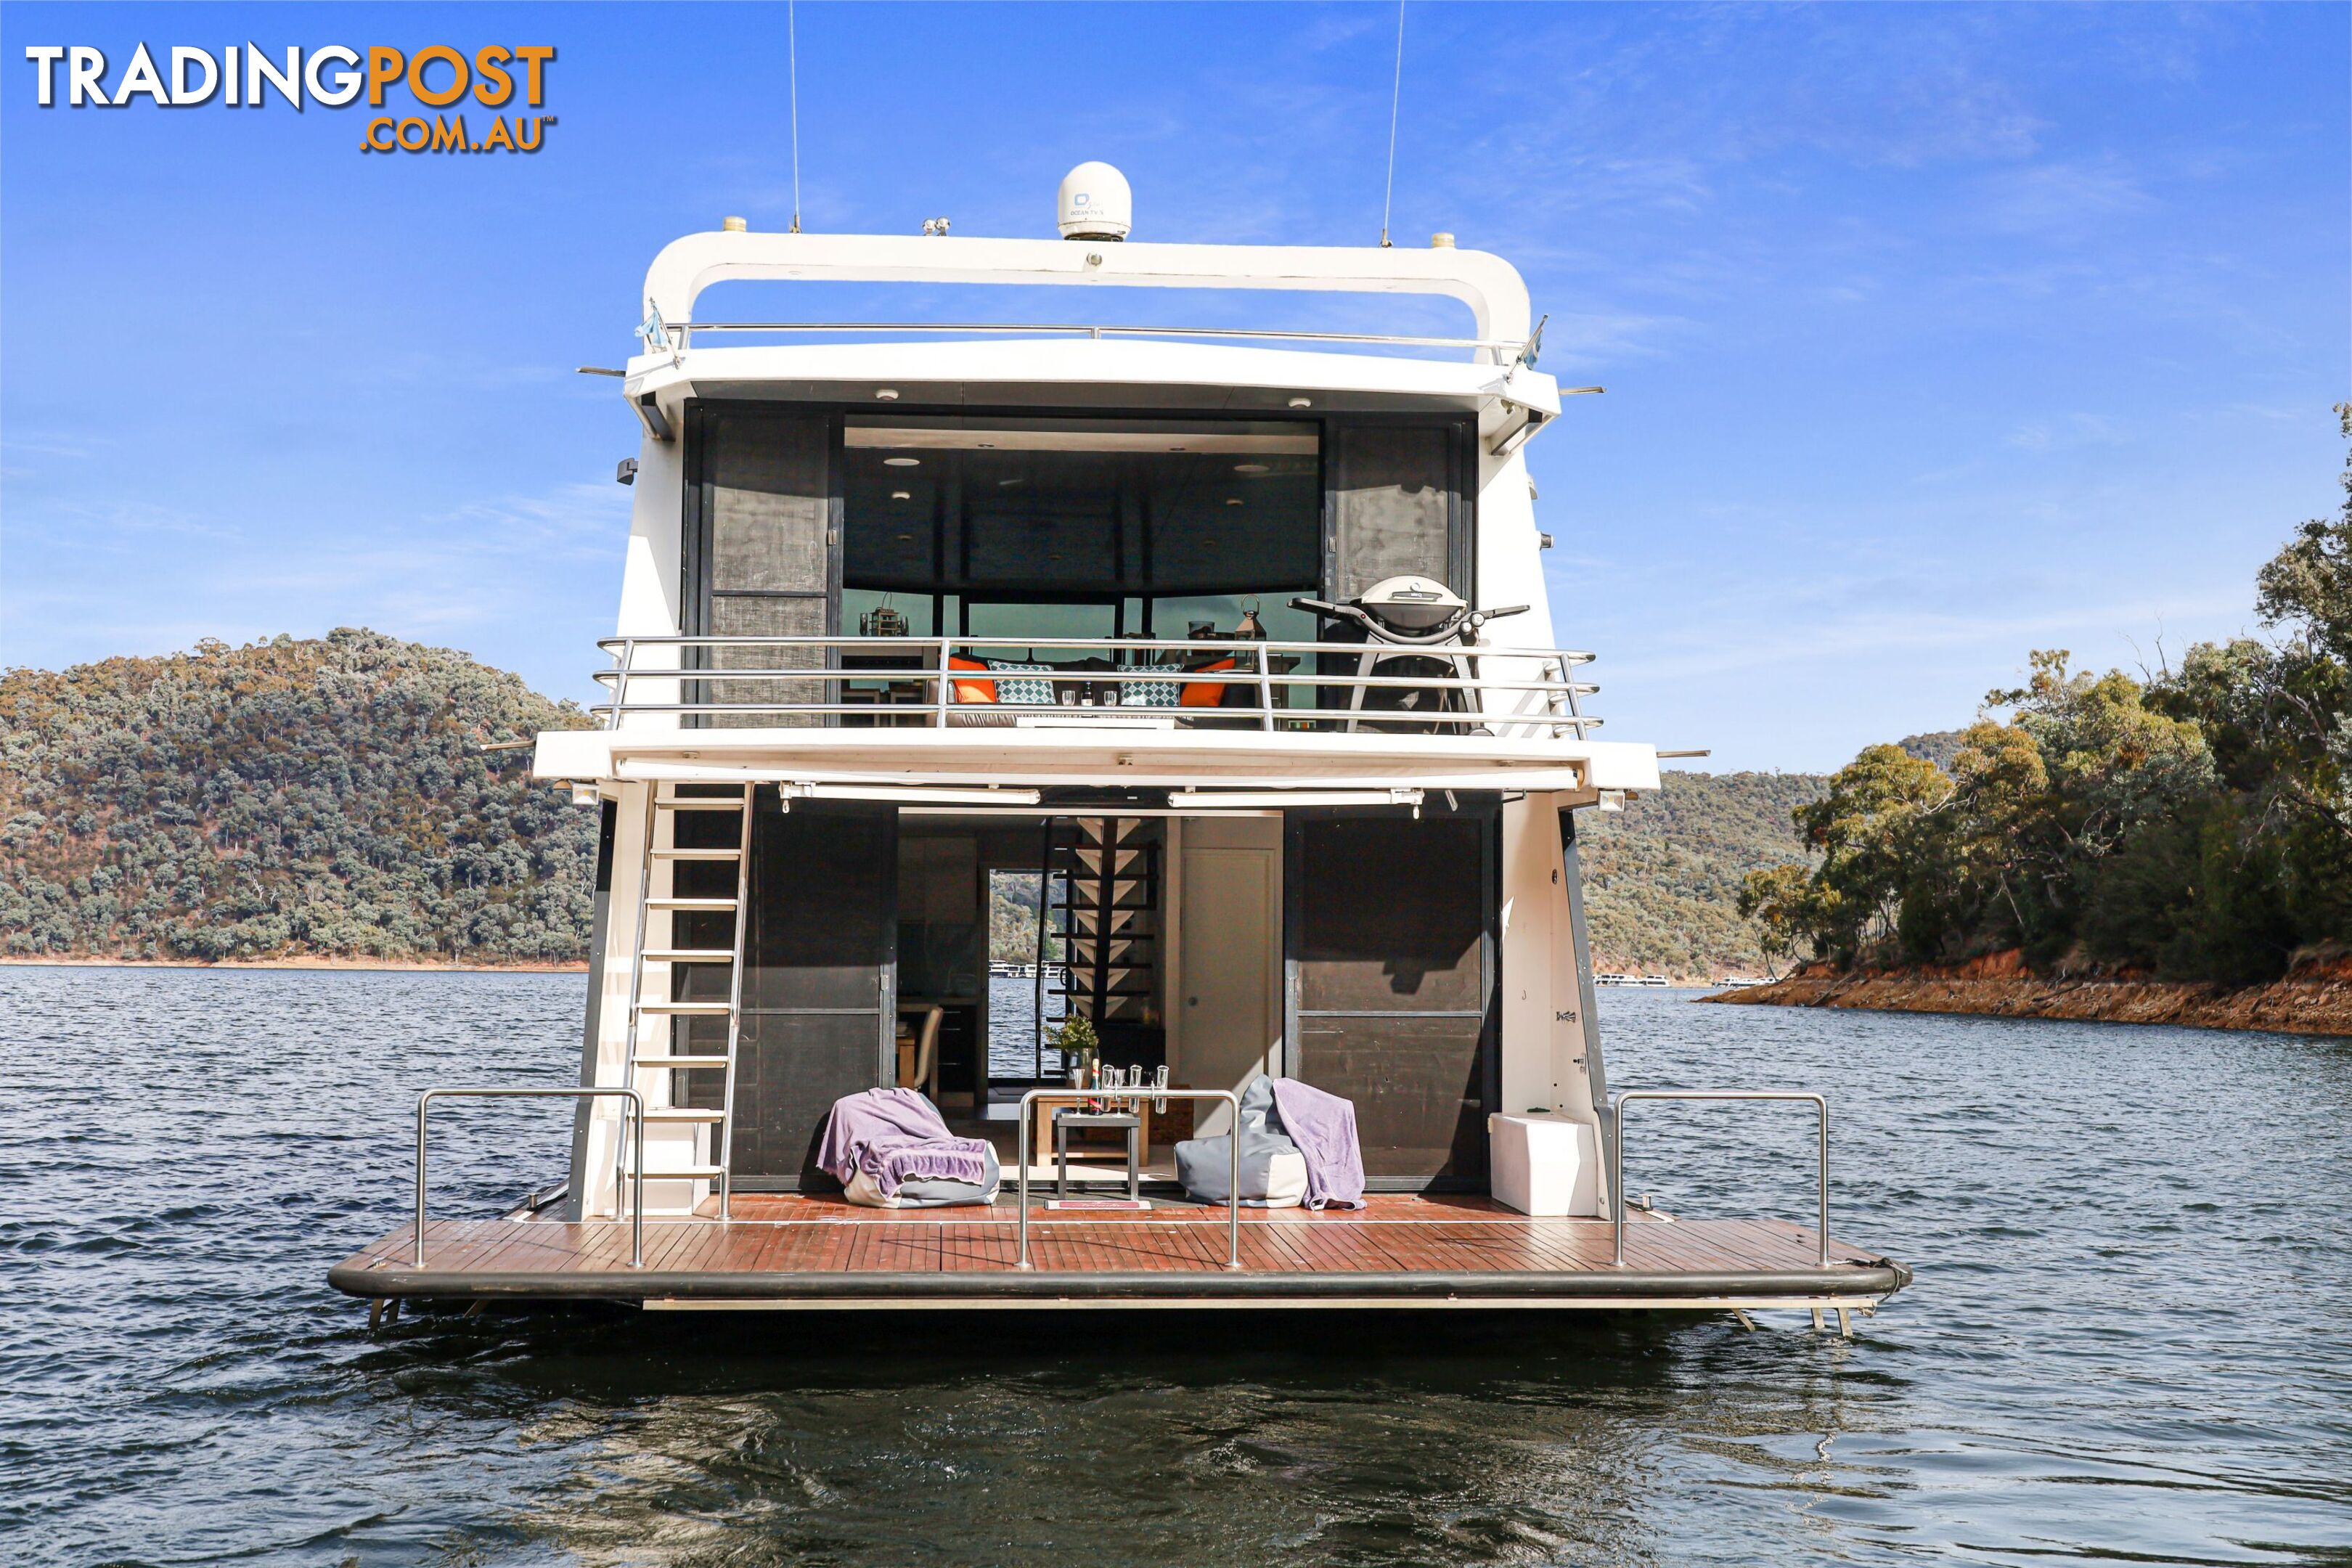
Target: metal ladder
667,1058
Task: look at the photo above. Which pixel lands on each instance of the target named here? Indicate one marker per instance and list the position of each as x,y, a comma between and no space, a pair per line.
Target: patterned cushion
1034,693
1150,693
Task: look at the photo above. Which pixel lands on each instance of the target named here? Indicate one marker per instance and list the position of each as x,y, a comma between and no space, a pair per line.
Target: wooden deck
806,1251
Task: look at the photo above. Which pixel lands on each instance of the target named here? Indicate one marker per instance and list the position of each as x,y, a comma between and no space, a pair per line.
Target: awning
1110,757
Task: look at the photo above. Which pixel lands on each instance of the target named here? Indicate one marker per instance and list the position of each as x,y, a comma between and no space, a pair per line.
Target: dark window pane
939,925
1391,501
1226,523
760,617
1390,914
790,1068
1055,530
823,915
1060,505
769,508
823,879
892,523
1417,1085
986,618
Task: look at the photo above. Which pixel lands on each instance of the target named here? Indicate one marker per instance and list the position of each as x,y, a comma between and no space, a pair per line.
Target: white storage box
1544,1164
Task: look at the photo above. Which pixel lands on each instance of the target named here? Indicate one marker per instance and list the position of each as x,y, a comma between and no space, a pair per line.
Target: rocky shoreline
86,960
2312,999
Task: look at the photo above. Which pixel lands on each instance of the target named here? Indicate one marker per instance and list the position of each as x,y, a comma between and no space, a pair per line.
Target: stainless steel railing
1617,1147
1463,688
636,1106
1522,351
1126,1096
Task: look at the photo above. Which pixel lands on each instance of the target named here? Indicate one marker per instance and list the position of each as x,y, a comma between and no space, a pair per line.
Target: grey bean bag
1274,1173
919,1192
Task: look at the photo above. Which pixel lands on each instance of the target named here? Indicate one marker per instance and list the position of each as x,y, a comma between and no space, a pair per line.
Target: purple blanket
896,1135
1323,1127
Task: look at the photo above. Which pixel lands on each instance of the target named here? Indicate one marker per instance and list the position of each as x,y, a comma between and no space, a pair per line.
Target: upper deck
1118,713
842,517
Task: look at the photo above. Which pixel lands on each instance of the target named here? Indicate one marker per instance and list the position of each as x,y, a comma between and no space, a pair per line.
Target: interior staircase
1106,904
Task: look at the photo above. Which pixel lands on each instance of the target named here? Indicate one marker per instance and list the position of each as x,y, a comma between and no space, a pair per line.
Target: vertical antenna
1396,97
793,47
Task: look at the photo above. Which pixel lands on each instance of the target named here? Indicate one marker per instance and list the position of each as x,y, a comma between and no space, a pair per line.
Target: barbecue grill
1409,613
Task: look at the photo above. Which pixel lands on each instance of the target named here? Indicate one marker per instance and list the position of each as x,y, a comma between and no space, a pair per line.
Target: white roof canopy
1135,375
1489,285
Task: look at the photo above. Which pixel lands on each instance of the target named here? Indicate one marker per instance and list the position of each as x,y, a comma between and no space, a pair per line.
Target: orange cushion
971,691
1205,693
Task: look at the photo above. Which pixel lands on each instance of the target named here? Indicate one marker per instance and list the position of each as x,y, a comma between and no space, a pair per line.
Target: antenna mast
1396,97
793,50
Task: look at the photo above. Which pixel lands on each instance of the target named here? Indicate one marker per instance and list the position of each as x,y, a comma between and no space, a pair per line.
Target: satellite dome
1095,203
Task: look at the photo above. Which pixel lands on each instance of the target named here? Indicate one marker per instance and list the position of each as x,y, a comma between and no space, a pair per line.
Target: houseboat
1232,649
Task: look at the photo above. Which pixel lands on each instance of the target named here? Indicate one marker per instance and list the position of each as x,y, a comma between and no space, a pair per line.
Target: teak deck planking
785,1245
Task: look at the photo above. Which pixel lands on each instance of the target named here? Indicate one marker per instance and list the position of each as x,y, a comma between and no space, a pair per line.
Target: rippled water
2129,1338
1012,1033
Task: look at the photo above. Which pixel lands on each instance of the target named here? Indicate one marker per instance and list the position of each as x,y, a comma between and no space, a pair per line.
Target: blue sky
1931,334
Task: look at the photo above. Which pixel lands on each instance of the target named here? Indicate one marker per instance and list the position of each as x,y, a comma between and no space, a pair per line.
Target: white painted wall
650,576
1545,1029
1510,553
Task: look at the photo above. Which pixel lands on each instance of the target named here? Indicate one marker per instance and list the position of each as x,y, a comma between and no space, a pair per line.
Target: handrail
1455,677
1188,645
686,330
636,1105
1123,1095
1617,1144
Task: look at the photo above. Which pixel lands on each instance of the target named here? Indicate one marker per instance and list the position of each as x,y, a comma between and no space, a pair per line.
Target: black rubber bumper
1882,1277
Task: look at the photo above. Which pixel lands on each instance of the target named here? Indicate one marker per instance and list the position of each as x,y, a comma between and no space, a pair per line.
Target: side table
1125,1121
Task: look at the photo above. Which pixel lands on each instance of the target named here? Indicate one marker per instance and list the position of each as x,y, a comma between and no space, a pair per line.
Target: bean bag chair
1272,1173
889,1149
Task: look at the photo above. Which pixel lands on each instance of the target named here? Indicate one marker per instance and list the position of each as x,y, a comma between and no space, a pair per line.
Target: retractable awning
1112,756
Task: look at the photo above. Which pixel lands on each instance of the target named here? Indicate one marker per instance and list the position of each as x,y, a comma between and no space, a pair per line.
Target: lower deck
814,1251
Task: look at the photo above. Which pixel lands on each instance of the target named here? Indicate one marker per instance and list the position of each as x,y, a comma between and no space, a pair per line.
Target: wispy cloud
2069,431
1865,640
583,520
2067,202
51,443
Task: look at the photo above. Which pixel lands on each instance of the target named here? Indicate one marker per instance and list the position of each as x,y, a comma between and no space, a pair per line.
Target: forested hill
288,798
329,798
1662,878
2192,824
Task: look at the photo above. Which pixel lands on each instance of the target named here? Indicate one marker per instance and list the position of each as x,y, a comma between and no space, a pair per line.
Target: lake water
1013,1036
2131,1335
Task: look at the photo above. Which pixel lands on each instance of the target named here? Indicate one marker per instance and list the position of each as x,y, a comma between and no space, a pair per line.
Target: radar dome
1095,203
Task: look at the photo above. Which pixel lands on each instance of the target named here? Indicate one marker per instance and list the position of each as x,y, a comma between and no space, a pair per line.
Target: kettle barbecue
1415,612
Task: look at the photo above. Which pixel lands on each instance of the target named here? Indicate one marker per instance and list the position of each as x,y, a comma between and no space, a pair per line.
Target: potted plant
1076,1041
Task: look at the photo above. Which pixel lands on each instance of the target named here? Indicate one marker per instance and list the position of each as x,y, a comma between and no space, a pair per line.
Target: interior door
1231,1026
820,979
